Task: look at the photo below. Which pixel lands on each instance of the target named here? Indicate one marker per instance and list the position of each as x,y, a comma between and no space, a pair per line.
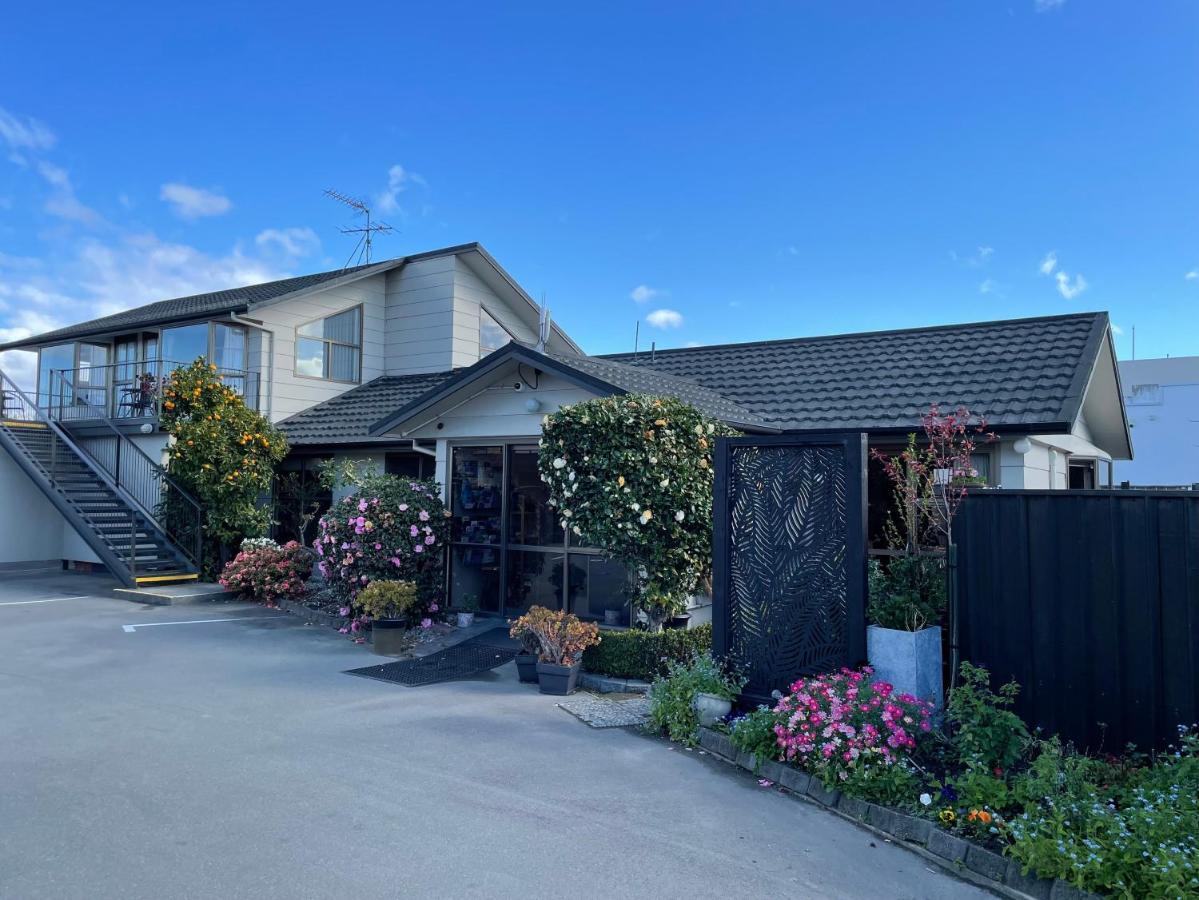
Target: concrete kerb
967,860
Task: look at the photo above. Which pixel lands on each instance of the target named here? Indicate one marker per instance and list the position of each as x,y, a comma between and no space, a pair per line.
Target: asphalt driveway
198,758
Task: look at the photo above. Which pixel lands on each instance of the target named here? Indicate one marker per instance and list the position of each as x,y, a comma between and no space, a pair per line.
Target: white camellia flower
678,516
559,463
926,800
576,529
699,429
567,513
653,460
634,506
571,474
665,482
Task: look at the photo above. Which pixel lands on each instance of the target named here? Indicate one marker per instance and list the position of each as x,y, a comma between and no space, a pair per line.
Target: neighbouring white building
434,365
1162,397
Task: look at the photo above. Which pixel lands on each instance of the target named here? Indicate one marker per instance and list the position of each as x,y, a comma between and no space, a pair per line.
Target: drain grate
462,661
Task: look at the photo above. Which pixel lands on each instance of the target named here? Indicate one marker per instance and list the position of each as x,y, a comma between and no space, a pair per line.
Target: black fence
1090,600
789,568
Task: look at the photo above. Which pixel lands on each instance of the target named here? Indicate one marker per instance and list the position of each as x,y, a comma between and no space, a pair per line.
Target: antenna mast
363,248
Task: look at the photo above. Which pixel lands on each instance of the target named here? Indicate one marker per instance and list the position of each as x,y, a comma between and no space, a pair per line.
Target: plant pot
466,619
677,621
557,680
387,637
909,660
711,708
526,667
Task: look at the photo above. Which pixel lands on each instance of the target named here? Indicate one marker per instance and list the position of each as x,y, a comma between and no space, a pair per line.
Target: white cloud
1117,330
1070,289
643,293
988,286
1043,6
27,134
290,241
665,318
1049,263
978,258
1192,275
398,180
192,202
62,202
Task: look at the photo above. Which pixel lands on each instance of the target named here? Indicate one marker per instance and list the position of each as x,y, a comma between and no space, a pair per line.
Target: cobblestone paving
608,710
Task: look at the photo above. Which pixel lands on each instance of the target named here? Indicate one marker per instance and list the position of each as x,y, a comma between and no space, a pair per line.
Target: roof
347,418
1017,372
595,373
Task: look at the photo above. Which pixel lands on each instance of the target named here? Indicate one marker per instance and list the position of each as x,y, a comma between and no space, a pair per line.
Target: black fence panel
1090,600
789,566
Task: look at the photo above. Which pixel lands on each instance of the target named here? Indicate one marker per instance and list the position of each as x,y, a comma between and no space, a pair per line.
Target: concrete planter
910,660
711,708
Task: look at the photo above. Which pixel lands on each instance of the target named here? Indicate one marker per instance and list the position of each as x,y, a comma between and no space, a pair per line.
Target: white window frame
327,341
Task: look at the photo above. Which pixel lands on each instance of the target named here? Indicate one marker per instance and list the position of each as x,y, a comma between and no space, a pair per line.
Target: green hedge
640,654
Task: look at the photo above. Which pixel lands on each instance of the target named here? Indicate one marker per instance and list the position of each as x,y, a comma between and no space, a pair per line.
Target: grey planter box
910,660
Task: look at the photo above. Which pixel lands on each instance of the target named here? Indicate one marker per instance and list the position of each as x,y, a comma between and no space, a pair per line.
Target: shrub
838,725
633,475
754,733
561,636
985,732
389,529
524,630
645,654
268,574
908,594
671,699
390,600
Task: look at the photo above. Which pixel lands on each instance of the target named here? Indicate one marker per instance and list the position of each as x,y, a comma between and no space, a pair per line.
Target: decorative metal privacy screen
789,564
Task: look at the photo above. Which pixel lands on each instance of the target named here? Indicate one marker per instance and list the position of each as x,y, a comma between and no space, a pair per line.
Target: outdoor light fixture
146,428
533,404
1022,446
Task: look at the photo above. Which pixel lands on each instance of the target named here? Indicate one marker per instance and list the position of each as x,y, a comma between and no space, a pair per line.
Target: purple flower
426,623
419,548
430,540
433,607
344,611
948,793
413,530
362,505
395,561
360,521
424,516
403,507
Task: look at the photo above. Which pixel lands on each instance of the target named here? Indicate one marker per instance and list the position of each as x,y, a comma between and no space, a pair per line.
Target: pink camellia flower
344,611
418,548
361,520
343,631
413,530
430,539
362,505
395,561
433,607
424,516
355,626
378,546
426,623
403,507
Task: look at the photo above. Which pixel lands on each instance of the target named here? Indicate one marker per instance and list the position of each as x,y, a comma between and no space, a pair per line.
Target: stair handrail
191,504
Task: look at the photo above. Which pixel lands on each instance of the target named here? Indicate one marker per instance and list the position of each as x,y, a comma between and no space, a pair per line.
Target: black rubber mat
461,661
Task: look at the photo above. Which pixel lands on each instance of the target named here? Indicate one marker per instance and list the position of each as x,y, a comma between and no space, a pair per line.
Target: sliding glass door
510,551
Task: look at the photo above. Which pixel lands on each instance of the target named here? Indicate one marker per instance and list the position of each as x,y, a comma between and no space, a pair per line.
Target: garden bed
946,850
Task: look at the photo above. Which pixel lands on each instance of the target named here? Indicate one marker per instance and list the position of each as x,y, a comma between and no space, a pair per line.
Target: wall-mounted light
146,428
533,405
1022,446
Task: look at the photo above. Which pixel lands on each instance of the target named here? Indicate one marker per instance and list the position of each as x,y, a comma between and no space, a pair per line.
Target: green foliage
645,654
895,785
985,732
979,789
222,452
671,699
908,594
390,600
754,733
633,475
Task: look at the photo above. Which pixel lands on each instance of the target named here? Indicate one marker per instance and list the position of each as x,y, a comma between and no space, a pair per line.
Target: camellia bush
633,476
389,529
265,572
223,453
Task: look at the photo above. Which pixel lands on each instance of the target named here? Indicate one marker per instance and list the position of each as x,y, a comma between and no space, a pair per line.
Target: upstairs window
331,348
492,334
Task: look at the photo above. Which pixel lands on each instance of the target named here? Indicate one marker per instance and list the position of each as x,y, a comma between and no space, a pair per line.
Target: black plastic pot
557,680
387,636
678,621
526,667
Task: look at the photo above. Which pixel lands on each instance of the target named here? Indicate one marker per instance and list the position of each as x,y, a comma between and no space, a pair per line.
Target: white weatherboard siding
420,317
31,529
1163,409
292,393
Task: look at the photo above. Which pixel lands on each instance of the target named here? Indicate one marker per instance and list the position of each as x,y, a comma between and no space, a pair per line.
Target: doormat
461,661
603,712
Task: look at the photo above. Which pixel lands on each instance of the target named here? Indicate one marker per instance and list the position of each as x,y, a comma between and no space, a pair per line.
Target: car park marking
129,629
50,600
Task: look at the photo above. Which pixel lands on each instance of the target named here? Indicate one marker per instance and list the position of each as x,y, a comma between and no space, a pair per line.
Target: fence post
951,576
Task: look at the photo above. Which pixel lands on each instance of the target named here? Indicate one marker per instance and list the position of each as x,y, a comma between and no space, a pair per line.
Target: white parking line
51,600
130,628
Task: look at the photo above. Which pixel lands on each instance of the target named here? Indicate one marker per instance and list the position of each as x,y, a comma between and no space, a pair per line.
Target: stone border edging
956,854
604,684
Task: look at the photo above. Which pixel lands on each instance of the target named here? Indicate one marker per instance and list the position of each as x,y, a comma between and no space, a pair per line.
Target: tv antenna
362,250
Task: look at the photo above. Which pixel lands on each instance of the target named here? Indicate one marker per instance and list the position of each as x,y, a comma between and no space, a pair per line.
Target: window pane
530,520
534,579
343,327
476,494
229,347
56,359
475,576
982,465
492,335
310,358
599,589
183,346
343,362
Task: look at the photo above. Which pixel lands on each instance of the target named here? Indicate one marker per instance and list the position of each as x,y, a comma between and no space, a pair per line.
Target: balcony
126,391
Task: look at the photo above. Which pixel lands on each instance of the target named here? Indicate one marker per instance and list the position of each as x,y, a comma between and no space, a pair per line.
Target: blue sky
773,171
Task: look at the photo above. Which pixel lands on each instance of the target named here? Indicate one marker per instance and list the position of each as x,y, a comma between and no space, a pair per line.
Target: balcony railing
127,390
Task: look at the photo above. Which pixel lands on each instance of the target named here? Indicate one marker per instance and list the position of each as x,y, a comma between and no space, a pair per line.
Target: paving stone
985,863
1041,888
821,794
947,846
794,780
600,712
853,807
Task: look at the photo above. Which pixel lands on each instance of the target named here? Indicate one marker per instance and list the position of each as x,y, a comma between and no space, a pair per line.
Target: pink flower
344,611
418,548
403,507
362,505
413,530
426,623
430,540
433,607
424,516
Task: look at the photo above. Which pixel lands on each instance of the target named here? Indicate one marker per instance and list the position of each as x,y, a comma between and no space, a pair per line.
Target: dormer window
331,348
492,335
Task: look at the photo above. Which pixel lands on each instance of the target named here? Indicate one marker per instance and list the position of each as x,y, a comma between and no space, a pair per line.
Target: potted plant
389,606
562,637
903,639
524,630
466,609
715,690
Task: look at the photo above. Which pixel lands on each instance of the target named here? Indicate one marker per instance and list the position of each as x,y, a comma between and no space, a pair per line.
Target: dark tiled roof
347,418
1015,372
197,305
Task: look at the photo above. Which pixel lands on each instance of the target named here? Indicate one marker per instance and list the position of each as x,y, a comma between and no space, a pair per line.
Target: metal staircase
138,521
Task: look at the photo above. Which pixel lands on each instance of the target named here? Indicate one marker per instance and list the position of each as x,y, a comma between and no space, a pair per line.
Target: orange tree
223,452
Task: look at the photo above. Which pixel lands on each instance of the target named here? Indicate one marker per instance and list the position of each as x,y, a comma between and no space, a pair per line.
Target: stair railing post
117,464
